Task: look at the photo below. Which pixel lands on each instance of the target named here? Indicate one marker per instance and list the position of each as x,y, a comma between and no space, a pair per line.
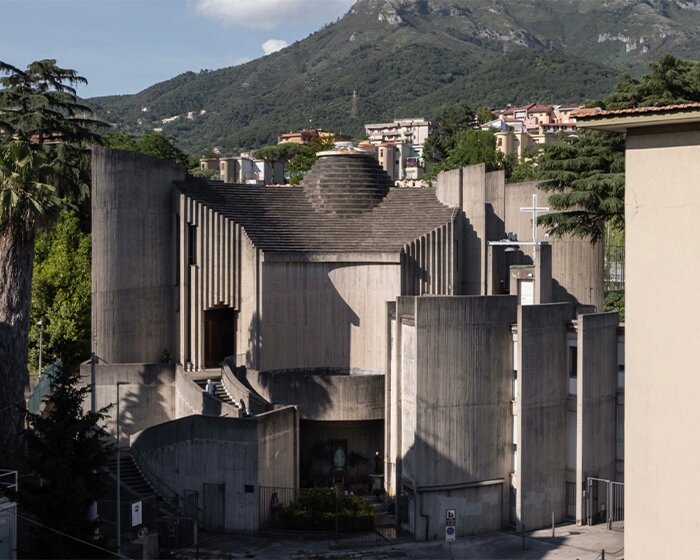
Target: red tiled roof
642,110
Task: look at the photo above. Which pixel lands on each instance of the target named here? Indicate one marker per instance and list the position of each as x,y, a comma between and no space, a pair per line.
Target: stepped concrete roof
345,204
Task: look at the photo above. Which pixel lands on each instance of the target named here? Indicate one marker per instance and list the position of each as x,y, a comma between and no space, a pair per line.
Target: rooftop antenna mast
353,112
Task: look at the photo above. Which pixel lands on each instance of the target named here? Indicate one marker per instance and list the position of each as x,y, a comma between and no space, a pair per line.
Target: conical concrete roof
346,181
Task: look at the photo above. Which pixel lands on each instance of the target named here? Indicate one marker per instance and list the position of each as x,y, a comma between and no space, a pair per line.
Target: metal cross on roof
534,209
512,240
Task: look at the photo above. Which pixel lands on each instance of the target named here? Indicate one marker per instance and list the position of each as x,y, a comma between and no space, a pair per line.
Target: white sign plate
451,514
136,514
450,533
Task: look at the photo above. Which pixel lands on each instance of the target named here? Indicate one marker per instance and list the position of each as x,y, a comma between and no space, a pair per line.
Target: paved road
570,543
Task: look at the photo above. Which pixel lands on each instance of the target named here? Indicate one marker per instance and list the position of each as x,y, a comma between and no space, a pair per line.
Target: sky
124,46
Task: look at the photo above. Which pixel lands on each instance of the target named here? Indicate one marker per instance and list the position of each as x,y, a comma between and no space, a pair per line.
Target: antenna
353,112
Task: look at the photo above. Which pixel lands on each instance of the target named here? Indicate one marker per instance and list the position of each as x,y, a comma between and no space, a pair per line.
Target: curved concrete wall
238,391
323,397
133,256
189,452
190,399
236,454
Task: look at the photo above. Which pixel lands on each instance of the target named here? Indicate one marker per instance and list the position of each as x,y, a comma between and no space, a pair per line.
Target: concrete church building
347,317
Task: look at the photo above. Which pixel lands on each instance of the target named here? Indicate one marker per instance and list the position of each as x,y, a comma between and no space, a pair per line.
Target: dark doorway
219,335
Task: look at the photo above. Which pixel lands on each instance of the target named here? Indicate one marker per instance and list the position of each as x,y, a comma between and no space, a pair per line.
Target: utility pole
353,112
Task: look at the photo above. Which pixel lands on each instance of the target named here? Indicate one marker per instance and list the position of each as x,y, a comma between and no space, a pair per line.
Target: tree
151,144
451,121
586,174
484,115
63,457
43,133
61,294
473,146
587,181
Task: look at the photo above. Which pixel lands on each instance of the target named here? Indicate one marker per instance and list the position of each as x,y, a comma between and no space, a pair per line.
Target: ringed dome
346,180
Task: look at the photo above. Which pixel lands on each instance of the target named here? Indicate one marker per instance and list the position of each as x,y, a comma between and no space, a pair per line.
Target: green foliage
669,81
317,509
440,144
586,174
25,200
484,115
61,294
615,301
150,144
586,177
279,152
305,157
39,109
456,143
62,462
517,172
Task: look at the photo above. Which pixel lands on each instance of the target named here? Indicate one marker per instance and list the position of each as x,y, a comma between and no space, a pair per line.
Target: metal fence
605,503
614,267
342,516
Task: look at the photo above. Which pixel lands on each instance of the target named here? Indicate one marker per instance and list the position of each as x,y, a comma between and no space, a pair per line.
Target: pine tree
62,465
586,174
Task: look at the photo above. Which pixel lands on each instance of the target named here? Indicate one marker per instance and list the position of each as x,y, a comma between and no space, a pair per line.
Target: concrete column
596,399
133,247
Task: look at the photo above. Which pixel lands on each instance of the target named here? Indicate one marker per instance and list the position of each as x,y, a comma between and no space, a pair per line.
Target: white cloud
273,45
268,14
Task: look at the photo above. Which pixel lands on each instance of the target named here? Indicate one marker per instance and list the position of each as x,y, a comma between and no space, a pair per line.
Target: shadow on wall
146,400
307,322
311,391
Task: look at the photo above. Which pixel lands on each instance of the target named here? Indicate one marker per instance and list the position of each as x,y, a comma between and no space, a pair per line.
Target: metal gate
605,502
213,506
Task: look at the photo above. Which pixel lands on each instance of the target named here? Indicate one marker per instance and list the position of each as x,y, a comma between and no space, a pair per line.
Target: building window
191,244
572,367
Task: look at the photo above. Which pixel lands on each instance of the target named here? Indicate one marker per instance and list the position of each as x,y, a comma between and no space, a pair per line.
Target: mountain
406,58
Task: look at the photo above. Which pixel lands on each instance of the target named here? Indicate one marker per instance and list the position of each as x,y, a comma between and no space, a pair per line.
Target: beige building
308,136
662,195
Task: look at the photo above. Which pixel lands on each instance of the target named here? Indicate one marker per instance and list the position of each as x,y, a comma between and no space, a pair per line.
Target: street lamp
40,324
119,479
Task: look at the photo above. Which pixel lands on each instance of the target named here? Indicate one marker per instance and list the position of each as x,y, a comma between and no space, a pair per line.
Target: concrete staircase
220,393
131,476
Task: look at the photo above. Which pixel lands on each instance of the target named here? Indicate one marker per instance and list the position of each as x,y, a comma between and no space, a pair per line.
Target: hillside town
398,145
388,281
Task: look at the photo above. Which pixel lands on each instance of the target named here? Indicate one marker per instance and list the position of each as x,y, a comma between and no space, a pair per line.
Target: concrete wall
492,209
240,454
278,450
454,386
463,421
148,398
323,397
577,265
596,400
133,256
321,314
248,337
191,399
540,465
186,453
661,413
